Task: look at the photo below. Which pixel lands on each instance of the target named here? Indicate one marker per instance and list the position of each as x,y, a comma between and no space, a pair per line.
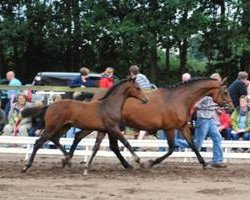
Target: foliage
165,38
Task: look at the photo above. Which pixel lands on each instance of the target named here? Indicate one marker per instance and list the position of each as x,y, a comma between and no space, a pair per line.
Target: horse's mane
113,88
192,80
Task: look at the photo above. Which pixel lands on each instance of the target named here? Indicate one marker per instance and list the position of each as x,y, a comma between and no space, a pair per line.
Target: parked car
60,78
3,93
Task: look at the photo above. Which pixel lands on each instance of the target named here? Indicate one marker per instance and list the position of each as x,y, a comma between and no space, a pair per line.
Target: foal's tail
35,112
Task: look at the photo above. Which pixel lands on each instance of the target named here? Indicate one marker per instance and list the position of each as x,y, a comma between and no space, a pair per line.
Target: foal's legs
38,144
78,137
170,139
96,147
113,145
117,133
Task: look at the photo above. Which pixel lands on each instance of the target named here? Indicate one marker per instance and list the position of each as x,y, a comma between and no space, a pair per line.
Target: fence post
29,147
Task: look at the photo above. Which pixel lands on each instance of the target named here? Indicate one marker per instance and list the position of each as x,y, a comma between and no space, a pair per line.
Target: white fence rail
24,145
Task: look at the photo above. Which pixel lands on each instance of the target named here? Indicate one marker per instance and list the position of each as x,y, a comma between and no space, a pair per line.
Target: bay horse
102,115
168,109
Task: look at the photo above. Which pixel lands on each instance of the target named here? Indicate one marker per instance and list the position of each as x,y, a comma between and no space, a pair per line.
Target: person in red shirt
107,78
224,123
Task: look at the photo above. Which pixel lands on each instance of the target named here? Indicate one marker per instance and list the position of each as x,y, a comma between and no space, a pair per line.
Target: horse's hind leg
55,140
38,144
113,142
96,147
78,137
170,139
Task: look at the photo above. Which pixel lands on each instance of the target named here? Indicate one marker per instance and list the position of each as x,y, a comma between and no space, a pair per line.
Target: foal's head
134,90
221,95
126,88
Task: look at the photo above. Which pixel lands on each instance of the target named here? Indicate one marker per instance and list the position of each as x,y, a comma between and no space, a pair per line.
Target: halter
224,102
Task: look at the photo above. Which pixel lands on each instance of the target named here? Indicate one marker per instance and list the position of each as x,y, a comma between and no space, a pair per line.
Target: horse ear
223,82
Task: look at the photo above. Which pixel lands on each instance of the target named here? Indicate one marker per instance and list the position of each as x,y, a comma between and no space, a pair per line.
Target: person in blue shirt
82,79
12,94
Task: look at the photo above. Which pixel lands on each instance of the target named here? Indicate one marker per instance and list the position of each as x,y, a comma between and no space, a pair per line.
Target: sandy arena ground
109,181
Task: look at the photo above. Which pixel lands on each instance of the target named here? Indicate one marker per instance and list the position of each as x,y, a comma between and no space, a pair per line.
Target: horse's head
221,95
135,91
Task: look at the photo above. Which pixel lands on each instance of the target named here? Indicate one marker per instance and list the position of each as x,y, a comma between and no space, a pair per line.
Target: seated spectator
107,78
2,118
241,120
16,125
224,123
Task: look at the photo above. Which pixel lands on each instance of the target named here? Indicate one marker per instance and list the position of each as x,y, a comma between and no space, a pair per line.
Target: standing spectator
82,80
141,79
185,77
206,126
2,118
107,78
144,83
12,94
224,123
239,88
241,120
16,125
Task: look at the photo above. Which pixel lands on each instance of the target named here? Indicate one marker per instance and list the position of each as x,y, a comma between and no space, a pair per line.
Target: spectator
206,126
141,79
12,94
185,77
224,123
82,80
239,88
16,125
144,83
107,78
241,120
2,118
56,98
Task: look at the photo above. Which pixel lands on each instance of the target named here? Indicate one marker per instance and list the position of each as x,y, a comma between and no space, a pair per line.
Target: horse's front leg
118,134
170,138
188,136
113,145
78,137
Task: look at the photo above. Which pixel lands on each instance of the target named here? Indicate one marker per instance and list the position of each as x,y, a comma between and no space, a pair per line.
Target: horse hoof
137,160
204,166
147,165
64,162
129,167
24,169
85,173
69,164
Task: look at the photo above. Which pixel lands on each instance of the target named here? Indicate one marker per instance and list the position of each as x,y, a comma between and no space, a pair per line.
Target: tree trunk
183,45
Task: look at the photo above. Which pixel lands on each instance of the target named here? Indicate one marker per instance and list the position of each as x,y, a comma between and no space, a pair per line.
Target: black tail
35,112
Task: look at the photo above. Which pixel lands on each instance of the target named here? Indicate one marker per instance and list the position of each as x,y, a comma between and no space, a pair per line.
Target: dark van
61,78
